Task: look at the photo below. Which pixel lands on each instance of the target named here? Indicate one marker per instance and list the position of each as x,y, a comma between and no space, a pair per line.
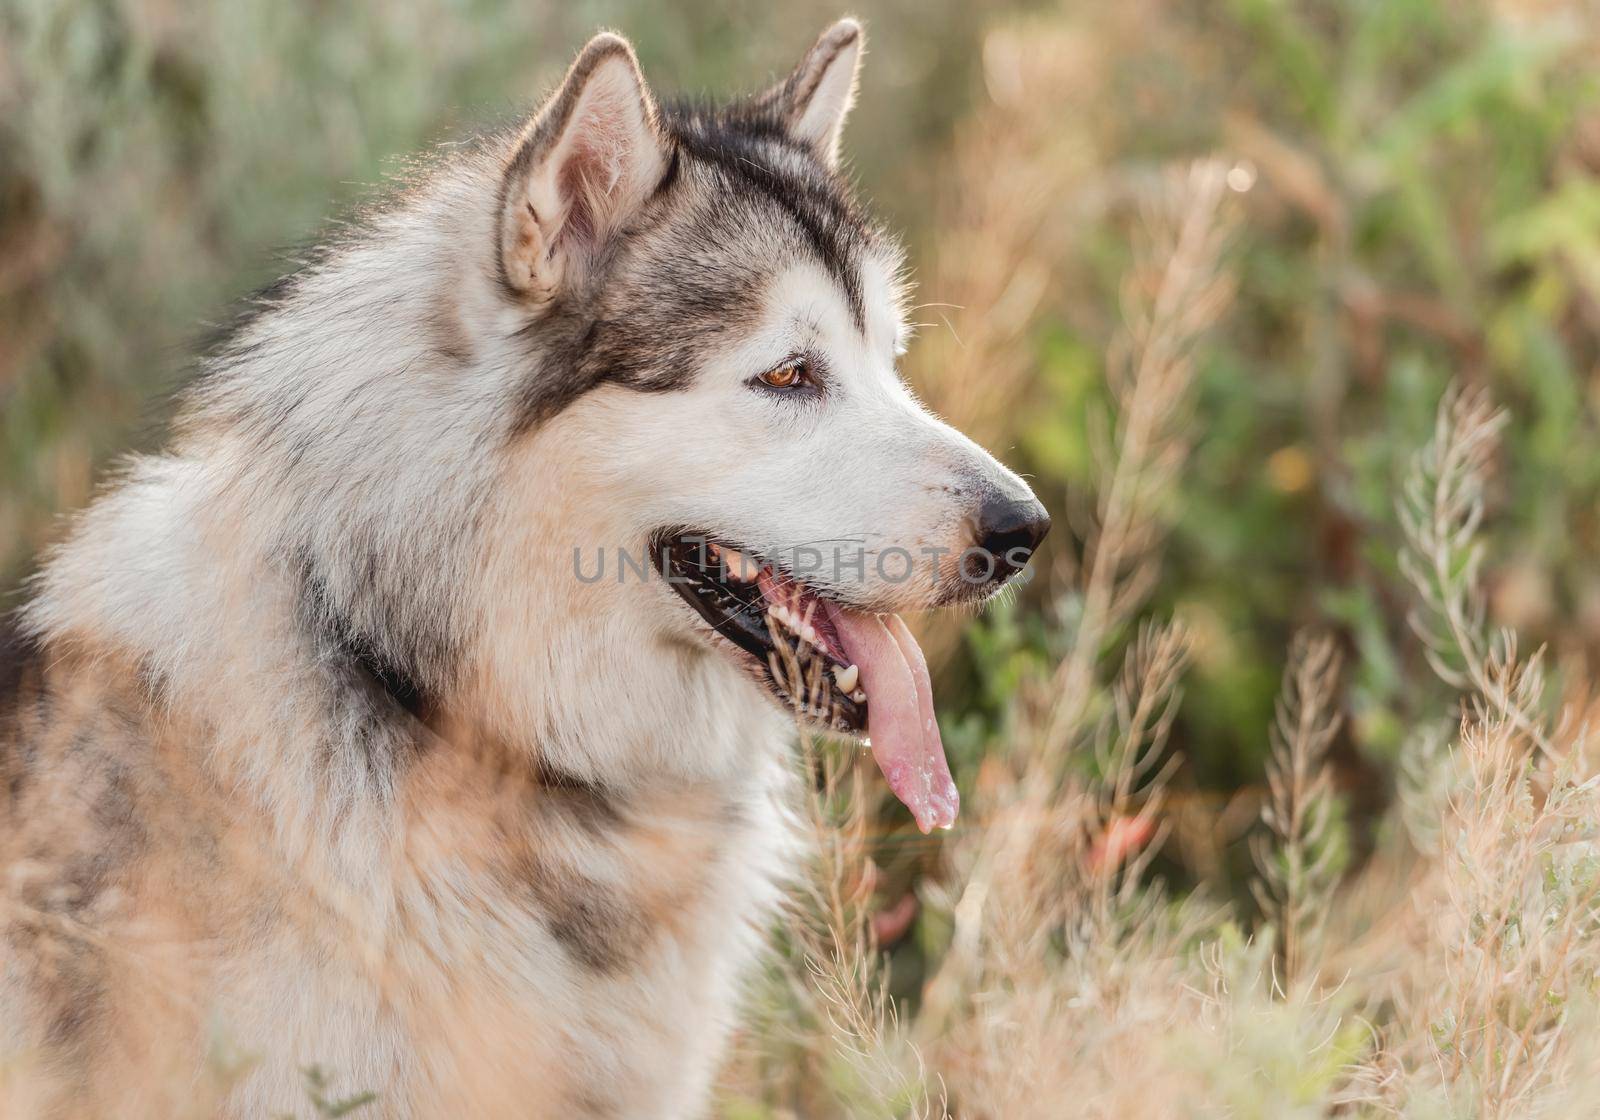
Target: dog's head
628,337
719,326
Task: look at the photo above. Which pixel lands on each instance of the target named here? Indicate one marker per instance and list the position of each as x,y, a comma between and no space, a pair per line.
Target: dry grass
1298,862
1453,971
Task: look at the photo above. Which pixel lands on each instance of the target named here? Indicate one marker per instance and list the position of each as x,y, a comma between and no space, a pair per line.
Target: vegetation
1278,792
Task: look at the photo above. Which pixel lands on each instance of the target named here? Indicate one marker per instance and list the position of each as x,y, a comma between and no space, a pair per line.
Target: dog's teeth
859,696
795,624
846,678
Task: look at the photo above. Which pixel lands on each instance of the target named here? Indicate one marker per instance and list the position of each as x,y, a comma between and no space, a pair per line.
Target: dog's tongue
900,722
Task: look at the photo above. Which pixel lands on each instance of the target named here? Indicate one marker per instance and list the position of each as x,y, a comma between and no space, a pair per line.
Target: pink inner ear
576,188
589,175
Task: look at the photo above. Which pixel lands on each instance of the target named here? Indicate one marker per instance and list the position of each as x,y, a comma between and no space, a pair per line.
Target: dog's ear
815,100
585,164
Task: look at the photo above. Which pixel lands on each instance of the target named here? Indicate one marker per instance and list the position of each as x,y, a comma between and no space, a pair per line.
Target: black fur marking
738,142
596,929
590,804
393,682
562,371
669,178
383,698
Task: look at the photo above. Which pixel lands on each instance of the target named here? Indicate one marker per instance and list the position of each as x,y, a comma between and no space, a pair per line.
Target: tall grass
1298,861
1435,954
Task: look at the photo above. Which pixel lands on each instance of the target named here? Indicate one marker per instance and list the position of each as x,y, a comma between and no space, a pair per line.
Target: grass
1395,914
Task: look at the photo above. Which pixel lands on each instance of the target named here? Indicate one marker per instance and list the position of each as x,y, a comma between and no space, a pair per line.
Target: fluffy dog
423,712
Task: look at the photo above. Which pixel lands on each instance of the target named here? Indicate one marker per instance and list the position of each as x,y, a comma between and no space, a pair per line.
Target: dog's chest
560,953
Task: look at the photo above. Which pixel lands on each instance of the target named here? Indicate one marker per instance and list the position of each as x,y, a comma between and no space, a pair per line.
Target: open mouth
842,670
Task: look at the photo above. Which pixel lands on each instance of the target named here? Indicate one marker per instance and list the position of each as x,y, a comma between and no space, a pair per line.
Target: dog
419,722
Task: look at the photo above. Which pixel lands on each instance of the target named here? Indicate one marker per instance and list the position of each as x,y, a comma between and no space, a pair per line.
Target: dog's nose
1009,529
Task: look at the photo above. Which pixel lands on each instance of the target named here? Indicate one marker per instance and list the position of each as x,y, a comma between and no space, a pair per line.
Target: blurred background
1403,196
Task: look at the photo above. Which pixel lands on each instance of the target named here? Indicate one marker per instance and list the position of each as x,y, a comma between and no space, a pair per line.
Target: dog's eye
790,375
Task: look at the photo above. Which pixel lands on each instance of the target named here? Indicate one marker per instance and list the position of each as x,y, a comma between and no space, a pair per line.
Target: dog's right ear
585,164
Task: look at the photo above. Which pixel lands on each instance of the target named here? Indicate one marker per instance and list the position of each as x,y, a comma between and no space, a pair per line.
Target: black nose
1009,529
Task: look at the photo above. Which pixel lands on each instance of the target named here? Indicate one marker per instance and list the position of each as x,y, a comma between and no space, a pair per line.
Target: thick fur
314,750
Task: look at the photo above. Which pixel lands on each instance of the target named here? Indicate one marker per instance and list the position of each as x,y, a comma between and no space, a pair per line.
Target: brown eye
784,377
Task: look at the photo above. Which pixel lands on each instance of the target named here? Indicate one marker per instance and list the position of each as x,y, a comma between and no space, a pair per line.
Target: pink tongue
904,733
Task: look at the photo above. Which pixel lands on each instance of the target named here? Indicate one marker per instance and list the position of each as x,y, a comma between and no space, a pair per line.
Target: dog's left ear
584,166
815,100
